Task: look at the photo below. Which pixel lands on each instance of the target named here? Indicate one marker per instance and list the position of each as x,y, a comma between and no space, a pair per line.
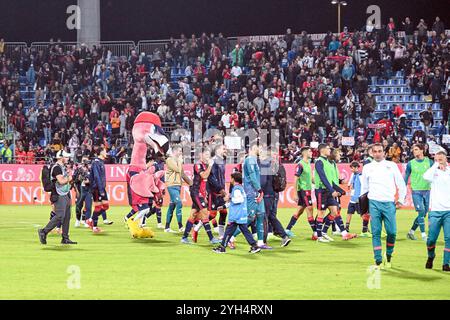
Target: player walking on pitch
304,191
324,175
439,177
381,179
202,170
420,188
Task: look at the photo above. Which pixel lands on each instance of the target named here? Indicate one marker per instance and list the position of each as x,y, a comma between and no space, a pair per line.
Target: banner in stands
20,185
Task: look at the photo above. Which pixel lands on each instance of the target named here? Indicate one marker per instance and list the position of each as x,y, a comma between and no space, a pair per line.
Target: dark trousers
62,216
231,229
86,199
270,205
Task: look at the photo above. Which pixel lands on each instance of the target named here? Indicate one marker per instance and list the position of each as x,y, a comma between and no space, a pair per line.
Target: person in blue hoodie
238,215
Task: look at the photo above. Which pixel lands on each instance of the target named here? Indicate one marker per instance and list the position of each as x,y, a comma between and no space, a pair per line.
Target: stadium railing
11,46
122,48
119,48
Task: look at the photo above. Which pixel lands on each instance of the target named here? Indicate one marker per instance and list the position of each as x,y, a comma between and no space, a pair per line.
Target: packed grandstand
349,90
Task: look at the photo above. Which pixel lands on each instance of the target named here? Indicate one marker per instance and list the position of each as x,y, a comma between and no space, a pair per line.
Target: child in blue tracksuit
353,206
238,215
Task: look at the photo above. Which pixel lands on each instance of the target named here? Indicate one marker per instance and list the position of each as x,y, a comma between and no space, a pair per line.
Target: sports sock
189,225
333,226
221,230
292,222
158,214
95,218
347,226
319,226
198,226
207,227
365,227
312,223
103,213
131,213
326,223
340,224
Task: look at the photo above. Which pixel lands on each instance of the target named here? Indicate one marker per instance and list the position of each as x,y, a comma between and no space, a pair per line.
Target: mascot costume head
144,183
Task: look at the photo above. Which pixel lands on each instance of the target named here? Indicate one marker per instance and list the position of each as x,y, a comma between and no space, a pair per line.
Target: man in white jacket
381,179
439,177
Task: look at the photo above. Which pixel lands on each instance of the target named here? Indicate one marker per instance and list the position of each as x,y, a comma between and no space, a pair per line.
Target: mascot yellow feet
138,232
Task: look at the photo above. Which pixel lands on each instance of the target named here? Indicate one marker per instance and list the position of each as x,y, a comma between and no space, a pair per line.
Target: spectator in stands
426,117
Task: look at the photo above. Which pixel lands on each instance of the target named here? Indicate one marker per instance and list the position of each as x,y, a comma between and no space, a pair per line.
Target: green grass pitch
112,265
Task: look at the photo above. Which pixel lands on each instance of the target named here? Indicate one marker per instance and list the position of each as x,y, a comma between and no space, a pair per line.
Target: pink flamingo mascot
143,182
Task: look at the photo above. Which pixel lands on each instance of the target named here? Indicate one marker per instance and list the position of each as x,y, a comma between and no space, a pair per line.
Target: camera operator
83,190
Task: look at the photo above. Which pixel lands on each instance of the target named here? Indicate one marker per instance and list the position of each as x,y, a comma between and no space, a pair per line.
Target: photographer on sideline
60,197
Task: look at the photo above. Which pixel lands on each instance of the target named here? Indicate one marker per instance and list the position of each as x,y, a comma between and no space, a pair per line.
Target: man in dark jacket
98,184
216,189
269,167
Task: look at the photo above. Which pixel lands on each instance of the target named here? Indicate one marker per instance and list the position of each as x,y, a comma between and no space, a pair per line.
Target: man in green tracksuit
420,188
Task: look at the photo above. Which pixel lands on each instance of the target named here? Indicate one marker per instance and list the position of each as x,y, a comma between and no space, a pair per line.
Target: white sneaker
424,238
160,226
322,239
216,230
327,237
337,233
77,223
169,230
181,230
107,222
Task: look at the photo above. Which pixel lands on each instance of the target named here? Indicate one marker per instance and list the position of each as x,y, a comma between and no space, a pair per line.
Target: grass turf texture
115,266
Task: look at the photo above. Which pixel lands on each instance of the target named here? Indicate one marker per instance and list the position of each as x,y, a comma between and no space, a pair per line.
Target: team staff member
216,189
174,180
269,166
439,177
420,188
381,179
60,197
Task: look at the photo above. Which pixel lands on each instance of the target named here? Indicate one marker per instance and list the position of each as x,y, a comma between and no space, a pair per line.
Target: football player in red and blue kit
202,170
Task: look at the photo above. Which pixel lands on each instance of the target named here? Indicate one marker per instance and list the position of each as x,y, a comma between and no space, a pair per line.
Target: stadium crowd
311,92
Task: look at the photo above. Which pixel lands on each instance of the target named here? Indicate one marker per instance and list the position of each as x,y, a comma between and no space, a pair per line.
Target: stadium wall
20,185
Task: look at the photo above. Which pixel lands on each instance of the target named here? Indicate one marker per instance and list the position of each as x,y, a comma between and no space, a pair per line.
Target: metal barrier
148,46
11,46
43,46
119,48
123,48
